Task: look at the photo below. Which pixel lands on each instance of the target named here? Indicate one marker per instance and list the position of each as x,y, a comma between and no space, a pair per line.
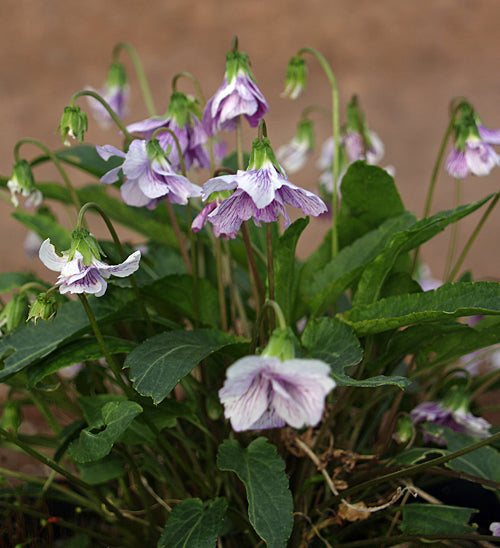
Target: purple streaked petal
261,184
132,194
91,282
480,157
201,219
111,176
475,427
50,258
122,270
147,127
219,184
106,151
180,189
302,199
152,185
456,164
490,136
137,160
231,212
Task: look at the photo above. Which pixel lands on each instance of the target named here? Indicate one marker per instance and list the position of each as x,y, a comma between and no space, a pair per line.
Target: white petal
50,258
129,266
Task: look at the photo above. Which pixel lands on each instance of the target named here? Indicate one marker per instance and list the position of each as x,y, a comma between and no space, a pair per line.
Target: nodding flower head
295,79
293,156
472,152
237,96
116,92
22,182
73,124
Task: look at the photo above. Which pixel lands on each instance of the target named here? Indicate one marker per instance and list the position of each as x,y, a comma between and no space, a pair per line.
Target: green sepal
86,244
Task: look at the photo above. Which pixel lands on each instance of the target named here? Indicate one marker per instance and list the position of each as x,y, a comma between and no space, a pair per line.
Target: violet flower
149,176
183,118
78,277
264,392
459,420
293,156
260,193
237,96
116,92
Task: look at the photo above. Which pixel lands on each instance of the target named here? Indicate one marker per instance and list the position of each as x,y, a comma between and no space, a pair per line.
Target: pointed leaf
13,280
158,364
448,301
46,227
194,524
262,471
436,519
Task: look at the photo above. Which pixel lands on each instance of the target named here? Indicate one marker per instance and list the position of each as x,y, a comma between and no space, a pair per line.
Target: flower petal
122,270
50,258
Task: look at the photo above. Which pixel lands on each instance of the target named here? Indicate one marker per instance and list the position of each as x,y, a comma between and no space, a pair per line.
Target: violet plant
203,386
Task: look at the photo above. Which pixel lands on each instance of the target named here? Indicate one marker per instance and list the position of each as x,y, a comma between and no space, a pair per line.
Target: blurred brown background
404,59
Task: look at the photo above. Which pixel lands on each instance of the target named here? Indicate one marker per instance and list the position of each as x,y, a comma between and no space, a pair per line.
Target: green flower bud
117,76
86,244
404,429
22,182
295,79
262,154
73,123
44,307
281,344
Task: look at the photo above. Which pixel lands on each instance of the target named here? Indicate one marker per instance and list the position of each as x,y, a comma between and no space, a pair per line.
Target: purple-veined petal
106,151
92,283
231,212
137,160
261,184
219,184
490,136
147,127
302,199
456,164
50,258
480,157
133,195
122,270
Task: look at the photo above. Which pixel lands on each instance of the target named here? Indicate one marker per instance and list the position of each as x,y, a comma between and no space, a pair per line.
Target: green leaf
335,342
347,266
31,342
194,524
375,274
103,470
46,227
448,301
369,197
262,471
96,441
436,519
175,293
285,281
14,280
75,352
158,364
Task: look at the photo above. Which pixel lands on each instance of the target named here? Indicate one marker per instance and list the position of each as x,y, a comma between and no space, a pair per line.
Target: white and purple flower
475,157
260,193
263,392
115,92
183,119
293,156
149,175
459,420
495,528
237,96
78,277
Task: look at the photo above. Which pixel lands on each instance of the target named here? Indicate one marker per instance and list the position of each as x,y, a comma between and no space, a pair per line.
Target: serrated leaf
194,524
158,364
448,301
176,294
436,519
347,266
31,342
375,274
75,352
369,197
262,471
284,268
109,426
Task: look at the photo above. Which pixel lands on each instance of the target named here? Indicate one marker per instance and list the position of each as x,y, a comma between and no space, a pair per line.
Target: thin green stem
239,142
121,251
104,103
55,161
258,290
472,238
194,264
178,235
45,411
177,145
195,82
220,284
336,138
258,324
141,75
452,246
270,269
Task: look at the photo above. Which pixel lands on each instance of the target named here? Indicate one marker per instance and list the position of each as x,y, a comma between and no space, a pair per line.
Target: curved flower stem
270,270
195,82
55,161
432,185
177,145
336,138
454,233
472,238
111,112
141,75
258,324
116,240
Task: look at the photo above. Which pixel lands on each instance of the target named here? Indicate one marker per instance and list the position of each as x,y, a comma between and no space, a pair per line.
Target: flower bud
22,182
295,79
73,123
44,307
404,429
86,244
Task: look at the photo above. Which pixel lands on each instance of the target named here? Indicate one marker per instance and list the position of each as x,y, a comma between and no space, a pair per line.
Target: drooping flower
295,79
237,96
456,417
495,528
201,219
22,182
73,124
260,193
115,92
149,175
471,153
269,391
293,156
183,118
78,275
